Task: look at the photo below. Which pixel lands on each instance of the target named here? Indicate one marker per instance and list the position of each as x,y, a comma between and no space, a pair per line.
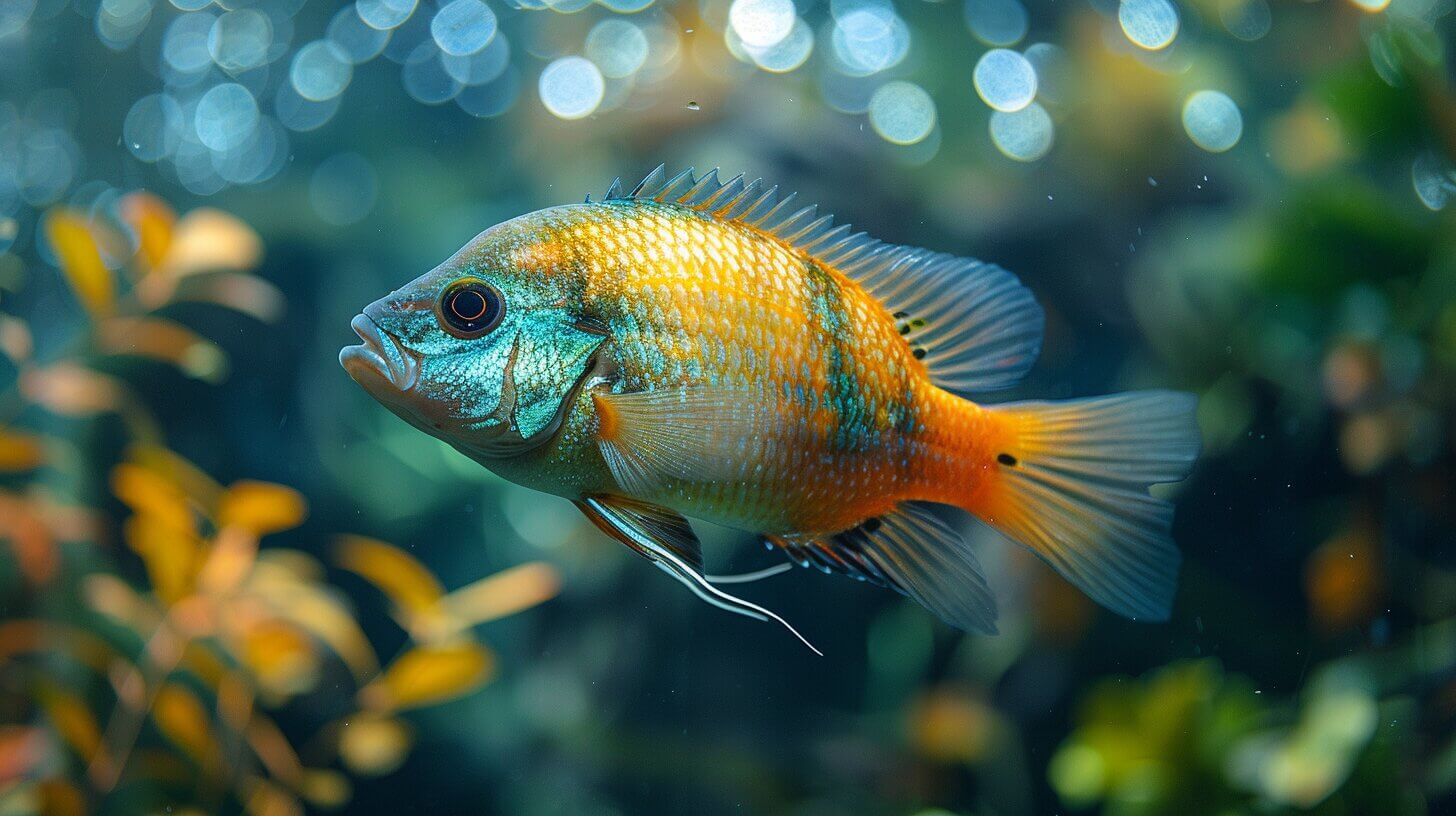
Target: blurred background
230,582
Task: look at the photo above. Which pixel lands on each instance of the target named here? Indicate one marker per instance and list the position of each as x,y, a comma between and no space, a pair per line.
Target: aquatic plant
128,688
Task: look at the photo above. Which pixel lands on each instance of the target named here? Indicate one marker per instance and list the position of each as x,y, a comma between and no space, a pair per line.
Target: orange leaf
233,554
152,220
15,340
80,261
30,538
371,745
504,593
71,390
411,587
261,507
164,341
429,674
20,452
208,240
248,294
184,720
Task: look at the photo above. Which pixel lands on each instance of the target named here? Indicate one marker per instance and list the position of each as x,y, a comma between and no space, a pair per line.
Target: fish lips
380,363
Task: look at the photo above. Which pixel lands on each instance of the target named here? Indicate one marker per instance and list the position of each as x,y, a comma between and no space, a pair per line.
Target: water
217,552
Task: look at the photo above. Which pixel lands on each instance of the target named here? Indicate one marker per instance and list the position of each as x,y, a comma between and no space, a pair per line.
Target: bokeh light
902,112
786,54
571,87
239,40
385,14
482,66
1024,135
425,77
1054,73
1434,180
321,70
761,23
225,117
996,22
618,47
868,38
1005,80
1212,120
360,41
153,127
185,45
463,27
1248,20
1150,24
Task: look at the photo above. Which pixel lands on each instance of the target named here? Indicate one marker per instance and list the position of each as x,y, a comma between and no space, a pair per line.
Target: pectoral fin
705,433
664,538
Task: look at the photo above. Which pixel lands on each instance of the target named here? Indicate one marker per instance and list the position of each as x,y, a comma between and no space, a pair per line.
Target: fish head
487,351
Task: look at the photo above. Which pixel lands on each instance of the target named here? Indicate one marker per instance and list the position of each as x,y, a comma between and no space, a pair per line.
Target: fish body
703,349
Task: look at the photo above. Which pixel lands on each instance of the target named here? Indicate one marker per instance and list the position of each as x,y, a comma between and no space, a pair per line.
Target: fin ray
972,324
1077,493
913,552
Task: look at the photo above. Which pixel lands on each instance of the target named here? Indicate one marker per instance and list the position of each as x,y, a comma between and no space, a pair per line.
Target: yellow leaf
184,720
504,593
19,452
72,720
267,799
326,789
280,657
326,619
152,220
148,493
261,507
234,552
404,580
171,556
80,260
188,477
429,674
208,240
165,341
71,390
61,798
371,745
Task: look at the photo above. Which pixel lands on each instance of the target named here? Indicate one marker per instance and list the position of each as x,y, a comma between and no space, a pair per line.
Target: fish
712,349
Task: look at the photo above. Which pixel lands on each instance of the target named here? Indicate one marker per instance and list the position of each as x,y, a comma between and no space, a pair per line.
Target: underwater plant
124,688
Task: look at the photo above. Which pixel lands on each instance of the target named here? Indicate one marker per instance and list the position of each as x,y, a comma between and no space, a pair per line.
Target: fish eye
470,308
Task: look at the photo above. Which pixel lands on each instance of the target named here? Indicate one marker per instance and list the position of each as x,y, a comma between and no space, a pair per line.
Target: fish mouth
380,359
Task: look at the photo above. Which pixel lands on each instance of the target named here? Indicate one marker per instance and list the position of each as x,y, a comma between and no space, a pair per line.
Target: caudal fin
1072,484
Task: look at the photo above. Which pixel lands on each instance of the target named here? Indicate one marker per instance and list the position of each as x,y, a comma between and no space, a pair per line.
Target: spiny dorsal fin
972,324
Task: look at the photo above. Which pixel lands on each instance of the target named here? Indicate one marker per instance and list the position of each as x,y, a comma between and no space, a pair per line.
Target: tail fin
1073,486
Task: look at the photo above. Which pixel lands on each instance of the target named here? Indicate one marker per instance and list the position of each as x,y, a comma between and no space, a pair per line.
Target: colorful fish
709,349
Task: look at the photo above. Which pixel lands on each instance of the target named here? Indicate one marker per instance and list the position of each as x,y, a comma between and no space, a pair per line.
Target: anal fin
913,552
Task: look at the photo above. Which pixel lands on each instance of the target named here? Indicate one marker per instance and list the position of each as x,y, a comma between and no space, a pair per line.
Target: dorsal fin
972,324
